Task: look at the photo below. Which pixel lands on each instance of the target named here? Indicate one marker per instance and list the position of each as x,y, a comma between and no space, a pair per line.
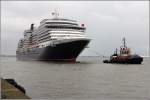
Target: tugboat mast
116,51
124,42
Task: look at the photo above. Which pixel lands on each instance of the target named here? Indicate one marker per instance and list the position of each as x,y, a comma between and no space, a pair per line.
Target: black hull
65,51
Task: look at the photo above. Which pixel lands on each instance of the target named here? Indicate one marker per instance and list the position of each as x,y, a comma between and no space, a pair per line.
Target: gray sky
106,22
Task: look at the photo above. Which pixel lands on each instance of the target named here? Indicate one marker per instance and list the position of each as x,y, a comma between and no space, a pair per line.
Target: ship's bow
64,50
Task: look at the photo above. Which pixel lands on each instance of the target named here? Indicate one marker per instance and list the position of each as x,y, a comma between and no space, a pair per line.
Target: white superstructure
57,28
51,30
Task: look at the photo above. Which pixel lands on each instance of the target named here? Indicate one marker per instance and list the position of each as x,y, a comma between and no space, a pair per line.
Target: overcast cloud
106,22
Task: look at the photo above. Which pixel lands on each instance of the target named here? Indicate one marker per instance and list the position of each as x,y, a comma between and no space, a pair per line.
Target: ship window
60,23
64,27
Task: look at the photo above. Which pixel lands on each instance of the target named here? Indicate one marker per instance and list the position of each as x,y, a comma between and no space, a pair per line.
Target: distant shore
79,56
7,55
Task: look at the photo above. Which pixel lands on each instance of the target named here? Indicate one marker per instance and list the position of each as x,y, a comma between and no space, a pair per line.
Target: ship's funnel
32,27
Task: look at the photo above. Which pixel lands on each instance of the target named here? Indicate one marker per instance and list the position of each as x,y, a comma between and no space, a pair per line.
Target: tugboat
125,56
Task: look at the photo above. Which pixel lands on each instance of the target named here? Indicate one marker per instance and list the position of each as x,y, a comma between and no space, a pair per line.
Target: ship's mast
56,14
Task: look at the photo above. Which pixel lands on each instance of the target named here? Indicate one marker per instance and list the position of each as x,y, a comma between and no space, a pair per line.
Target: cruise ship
57,39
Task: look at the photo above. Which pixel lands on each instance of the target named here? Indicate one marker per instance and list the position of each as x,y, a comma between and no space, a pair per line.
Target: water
87,79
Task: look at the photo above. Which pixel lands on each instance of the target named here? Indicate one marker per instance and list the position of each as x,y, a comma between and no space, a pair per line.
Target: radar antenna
56,14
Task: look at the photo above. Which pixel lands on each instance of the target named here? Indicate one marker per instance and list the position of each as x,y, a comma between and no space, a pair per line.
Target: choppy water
89,79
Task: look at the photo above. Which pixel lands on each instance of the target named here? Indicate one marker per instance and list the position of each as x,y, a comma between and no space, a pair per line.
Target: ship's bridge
61,24
58,20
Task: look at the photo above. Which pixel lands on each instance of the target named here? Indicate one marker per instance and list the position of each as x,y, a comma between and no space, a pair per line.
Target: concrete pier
8,91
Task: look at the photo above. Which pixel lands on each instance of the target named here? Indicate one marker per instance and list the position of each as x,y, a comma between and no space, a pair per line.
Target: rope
95,52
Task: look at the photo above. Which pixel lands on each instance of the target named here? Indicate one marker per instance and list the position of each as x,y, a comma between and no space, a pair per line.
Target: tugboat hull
128,60
135,60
